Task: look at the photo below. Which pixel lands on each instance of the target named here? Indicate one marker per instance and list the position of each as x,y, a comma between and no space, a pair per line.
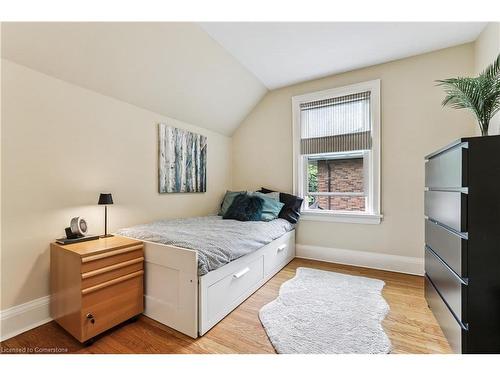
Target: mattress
217,241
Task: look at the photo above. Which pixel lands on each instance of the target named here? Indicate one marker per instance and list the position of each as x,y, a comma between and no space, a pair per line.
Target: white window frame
371,159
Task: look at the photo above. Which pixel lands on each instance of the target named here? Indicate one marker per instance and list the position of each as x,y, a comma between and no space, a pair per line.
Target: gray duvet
217,241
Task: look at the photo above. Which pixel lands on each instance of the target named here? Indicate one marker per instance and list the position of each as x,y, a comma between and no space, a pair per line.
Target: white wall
486,49
61,146
413,124
487,46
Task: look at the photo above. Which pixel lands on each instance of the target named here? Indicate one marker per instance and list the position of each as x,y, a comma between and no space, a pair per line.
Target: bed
197,270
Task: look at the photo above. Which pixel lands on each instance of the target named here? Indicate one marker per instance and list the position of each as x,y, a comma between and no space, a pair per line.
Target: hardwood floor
410,324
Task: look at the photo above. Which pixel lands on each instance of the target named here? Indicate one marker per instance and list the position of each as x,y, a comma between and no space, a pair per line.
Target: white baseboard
379,261
21,318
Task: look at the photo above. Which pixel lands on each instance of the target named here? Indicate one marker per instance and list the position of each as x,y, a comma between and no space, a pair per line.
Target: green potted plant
481,94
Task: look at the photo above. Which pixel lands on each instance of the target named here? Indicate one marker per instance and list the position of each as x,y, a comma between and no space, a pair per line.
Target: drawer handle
113,267
112,282
237,275
111,253
281,248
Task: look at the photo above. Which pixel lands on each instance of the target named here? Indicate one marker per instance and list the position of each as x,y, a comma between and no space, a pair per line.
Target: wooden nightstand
96,285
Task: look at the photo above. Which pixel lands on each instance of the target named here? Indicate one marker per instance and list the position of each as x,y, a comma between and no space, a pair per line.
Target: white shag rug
321,312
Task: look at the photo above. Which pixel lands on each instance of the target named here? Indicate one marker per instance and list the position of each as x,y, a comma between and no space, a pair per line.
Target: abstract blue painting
182,164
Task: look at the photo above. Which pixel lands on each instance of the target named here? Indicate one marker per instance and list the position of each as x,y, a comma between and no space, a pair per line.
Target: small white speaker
78,226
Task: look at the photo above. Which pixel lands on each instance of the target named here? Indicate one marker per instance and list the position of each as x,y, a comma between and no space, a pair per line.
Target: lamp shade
105,198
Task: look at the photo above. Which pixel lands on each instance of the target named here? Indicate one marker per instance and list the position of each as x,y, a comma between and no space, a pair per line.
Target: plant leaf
480,94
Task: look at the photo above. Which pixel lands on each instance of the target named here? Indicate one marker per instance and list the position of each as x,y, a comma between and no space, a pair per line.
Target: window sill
341,217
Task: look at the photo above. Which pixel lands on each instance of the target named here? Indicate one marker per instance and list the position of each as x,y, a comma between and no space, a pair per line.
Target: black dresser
462,242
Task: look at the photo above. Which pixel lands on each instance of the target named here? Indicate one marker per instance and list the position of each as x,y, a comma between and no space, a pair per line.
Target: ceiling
174,69
213,74
281,54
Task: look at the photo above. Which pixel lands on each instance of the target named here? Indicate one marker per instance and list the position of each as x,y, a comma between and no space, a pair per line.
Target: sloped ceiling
174,69
213,74
284,53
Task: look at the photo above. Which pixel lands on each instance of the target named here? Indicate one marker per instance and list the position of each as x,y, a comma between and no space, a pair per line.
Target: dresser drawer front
446,282
111,258
114,271
111,305
448,169
226,291
453,332
448,245
448,208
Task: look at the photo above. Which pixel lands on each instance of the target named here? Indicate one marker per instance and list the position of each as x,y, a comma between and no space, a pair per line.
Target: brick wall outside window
344,175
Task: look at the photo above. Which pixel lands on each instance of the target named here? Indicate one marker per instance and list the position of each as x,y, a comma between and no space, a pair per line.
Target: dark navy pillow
245,208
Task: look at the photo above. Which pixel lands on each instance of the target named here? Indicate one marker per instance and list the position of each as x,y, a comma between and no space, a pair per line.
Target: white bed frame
176,296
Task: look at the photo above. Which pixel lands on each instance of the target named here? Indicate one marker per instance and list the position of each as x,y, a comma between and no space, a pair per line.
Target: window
337,153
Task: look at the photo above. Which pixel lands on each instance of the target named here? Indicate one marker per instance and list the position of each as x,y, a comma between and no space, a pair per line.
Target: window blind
336,124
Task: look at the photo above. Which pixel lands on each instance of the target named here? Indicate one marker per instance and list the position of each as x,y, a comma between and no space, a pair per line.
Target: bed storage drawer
279,253
453,331
229,290
448,208
450,246
449,285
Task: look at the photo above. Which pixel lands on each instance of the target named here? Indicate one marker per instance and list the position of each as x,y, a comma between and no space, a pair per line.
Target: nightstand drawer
110,258
114,271
111,303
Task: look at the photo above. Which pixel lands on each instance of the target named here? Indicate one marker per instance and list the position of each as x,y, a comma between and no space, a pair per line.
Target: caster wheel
134,319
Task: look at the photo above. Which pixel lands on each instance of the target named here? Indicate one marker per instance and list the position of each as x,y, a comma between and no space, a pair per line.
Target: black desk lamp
105,199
